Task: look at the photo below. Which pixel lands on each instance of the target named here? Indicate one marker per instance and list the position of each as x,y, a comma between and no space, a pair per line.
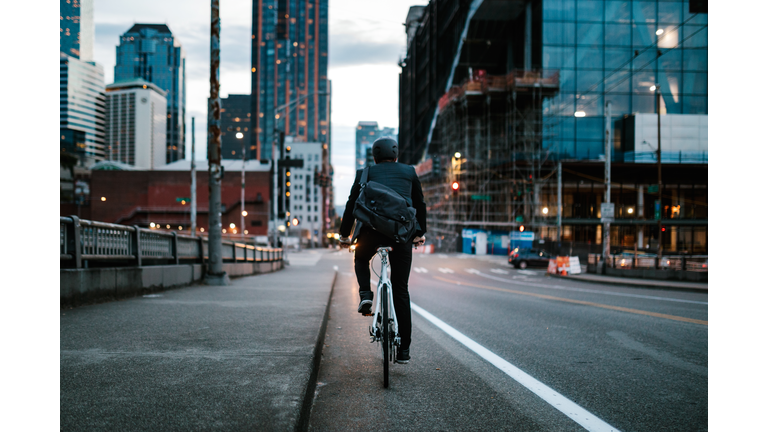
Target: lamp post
657,90
239,136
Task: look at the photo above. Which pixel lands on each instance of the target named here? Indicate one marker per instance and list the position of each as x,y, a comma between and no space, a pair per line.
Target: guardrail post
202,252
175,247
234,250
136,250
78,248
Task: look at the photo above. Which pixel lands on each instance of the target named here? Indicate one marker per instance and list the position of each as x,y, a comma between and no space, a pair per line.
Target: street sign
653,188
284,163
657,210
606,212
183,199
481,197
522,236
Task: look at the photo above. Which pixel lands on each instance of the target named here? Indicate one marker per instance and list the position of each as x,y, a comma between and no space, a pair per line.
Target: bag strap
364,178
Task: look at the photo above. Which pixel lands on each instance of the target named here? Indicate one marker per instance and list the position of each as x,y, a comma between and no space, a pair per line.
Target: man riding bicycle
403,180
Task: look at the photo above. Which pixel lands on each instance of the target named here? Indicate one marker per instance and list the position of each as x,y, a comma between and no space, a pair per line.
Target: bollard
78,247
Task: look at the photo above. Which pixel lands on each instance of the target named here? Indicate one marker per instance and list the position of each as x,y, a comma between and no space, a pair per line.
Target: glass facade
609,50
81,108
367,132
76,28
150,52
289,69
235,118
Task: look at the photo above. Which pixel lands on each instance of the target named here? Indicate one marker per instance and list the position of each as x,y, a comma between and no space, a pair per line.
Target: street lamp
656,88
239,136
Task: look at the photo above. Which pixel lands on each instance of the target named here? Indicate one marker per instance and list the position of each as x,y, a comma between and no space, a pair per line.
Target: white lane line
420,270
444,270
576,413
499,271
473,271
562,288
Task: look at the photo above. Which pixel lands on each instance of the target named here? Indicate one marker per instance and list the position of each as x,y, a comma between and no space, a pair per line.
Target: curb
632,283
309,394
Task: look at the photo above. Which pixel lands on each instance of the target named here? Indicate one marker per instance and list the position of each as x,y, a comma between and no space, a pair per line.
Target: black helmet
384,148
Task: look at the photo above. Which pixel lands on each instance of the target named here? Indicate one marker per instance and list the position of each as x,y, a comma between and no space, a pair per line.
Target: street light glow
579,114
336,236
659,32
653,88
232,225
630,210
103,198
457,155
245,213
239,135
545,210
151,224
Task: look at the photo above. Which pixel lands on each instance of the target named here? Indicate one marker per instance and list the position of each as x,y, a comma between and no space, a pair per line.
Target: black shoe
365,307
403,356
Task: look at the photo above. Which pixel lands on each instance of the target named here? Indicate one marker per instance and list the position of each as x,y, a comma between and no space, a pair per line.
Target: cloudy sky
367,37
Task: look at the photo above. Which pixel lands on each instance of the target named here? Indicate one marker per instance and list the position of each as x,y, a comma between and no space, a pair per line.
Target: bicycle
384,328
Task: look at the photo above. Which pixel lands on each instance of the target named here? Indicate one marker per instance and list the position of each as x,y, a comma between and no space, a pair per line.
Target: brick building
133,197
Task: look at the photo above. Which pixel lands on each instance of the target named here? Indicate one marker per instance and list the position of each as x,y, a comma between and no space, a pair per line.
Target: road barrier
85,242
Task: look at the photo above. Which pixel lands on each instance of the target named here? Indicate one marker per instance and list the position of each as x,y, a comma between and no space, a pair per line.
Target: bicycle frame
384,279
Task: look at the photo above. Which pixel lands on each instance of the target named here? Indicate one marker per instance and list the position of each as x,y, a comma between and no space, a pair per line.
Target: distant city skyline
365,44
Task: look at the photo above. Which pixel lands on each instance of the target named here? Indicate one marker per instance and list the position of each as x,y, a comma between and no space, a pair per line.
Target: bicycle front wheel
385,335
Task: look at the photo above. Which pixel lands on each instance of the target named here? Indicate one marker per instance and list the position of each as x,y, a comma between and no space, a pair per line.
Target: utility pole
607,208
658,165
559,203
242,190
193,192
274,194
215,274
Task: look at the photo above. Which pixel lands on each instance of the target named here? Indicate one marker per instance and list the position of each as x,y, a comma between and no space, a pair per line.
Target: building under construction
509,145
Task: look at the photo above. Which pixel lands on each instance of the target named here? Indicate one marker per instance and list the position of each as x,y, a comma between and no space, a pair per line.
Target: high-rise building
152,53
76,28
236,119
289,72
81,109
135,123
306,204
367,132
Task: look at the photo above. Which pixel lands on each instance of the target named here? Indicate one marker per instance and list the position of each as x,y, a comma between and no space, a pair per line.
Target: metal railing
697,263
82,241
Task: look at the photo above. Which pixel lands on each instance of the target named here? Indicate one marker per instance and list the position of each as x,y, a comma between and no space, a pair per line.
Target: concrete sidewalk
645,283
240,357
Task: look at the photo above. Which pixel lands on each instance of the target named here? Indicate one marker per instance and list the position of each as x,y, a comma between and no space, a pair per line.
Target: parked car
524,258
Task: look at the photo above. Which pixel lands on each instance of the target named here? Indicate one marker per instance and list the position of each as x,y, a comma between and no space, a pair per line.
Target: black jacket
402,179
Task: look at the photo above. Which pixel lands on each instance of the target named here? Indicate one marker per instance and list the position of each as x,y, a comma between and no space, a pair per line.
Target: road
502,349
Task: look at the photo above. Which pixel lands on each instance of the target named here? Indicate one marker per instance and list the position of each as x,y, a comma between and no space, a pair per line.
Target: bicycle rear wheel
385,333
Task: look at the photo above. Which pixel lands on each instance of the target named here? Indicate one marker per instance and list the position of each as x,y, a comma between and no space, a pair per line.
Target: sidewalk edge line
634,284
309,396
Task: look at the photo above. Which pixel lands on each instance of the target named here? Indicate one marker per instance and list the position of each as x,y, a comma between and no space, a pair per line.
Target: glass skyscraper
235,118
609,50
289,72
150,52
76,28
81,109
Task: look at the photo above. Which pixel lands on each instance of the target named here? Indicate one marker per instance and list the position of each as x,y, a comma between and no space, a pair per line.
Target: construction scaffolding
489,139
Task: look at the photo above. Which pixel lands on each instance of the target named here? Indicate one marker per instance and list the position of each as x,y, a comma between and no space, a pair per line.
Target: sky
366,40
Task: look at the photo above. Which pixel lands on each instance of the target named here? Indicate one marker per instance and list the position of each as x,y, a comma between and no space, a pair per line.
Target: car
523,258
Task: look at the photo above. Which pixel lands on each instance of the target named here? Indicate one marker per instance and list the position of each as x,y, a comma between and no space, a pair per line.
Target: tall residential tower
150,52
289,73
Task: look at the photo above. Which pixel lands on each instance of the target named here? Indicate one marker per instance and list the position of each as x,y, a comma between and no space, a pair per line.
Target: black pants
400,261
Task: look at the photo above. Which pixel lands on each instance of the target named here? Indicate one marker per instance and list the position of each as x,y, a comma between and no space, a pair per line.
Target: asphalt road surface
495,348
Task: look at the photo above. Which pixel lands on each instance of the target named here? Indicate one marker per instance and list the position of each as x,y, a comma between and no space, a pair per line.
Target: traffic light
455,187
663,228
288,152
522,228
295,221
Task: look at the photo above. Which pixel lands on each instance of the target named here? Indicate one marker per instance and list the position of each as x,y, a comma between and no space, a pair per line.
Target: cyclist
402,179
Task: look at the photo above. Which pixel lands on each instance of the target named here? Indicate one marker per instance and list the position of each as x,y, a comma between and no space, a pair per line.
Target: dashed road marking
420,270
499,271
444,270
473,271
